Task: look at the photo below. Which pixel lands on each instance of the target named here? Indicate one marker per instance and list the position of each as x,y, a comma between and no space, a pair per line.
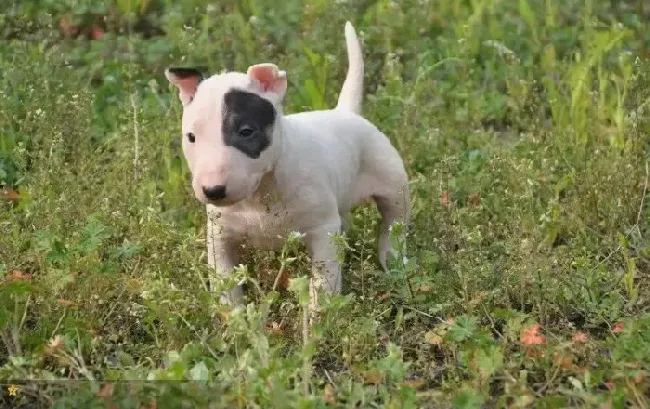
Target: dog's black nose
216,192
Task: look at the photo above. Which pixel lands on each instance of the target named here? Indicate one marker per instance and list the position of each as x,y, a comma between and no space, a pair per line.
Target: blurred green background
524,128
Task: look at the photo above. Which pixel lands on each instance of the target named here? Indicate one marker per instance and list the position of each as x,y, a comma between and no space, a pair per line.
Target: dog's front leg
222,257
326,268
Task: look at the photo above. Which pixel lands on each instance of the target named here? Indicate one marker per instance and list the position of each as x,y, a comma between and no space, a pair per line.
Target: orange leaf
531,336
63,24
424,288
579,338
65,303
53,345
609,385
329,394
18,275
384,296
373,376
564,360
414,383
432,338
68,29
618,327
444,198
535,353
96,33
640,378
106,390
56,341
150,405
276,327
11,194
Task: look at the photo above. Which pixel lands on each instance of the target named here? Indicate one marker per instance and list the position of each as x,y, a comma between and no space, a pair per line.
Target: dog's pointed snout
216,192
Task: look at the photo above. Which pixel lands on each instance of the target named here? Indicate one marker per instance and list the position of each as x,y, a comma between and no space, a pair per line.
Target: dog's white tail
351,95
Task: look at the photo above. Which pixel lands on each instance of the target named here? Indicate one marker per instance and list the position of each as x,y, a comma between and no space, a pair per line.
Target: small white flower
294,235
56,342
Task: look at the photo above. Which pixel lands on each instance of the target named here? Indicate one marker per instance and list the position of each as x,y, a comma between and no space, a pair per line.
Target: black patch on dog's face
247,122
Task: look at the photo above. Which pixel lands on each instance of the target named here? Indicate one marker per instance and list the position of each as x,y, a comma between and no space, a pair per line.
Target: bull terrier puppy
263,174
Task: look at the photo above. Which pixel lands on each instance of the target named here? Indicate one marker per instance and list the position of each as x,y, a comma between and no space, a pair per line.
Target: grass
524,126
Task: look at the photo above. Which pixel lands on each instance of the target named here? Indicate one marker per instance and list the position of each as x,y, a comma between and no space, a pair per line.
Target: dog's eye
191,137
245,131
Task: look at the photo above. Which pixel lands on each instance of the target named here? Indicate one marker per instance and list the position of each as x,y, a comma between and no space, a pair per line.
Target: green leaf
468,399
127,250
300,286
490,360
172,358
199,372
57,279
316,96
529,16
124,358
93,235
463,328
4,317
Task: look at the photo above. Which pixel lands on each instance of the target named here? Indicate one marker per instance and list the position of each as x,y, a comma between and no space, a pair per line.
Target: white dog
263,175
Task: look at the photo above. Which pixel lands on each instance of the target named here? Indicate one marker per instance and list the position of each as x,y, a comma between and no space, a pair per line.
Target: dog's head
230,123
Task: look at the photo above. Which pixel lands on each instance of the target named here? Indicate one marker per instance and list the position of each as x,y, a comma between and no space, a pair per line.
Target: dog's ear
186,80
270,78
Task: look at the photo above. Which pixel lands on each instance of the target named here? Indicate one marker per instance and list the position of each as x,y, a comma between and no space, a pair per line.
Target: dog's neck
267,185
279,136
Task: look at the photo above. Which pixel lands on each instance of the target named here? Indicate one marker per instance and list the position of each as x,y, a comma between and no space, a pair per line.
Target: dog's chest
262,226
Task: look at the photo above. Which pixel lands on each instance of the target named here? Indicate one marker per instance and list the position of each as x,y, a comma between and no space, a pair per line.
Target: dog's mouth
251,191
225,202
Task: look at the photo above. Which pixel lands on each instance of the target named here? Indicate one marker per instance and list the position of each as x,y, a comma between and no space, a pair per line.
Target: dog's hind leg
345,222
394,207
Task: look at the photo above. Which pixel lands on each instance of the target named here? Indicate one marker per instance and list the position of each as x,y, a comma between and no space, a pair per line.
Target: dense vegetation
524,126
